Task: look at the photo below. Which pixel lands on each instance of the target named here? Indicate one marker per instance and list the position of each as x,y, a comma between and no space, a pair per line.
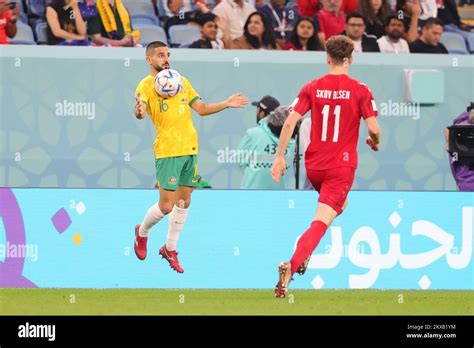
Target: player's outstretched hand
140,106
371,144
278,168
237,101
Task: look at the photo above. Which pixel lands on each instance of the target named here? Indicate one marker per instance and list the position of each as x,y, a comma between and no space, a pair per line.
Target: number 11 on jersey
337,114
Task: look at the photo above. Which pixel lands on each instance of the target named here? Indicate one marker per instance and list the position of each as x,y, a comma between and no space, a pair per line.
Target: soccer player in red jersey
337,102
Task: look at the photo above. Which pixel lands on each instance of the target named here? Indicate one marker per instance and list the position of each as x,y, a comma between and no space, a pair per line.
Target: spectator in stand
291,8
180,17
429,41
410,13
375,13
304,37
393,42
208,24
234,13
112,25
257,3
429,8
308,8
349,6
331,20
449,15
88,9
65,24
170,8
278,16
258,35
8,18
355,28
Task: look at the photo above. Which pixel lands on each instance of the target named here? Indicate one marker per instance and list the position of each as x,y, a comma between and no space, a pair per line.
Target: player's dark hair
339,48
313,42
354,15
432,21
268,38
390,18
154,44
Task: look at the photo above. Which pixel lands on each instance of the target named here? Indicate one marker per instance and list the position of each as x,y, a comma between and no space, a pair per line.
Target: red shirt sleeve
367,105
302,103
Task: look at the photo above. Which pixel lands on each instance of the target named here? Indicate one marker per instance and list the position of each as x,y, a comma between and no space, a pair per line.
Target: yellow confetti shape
77,238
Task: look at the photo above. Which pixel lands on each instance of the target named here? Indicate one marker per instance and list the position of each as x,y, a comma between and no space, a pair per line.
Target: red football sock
307,243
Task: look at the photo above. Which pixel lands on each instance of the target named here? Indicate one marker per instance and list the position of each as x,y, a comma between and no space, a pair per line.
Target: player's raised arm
279,164
373,139
140,107
234,101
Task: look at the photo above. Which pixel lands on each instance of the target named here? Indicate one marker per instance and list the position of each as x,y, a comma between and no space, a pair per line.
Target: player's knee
166,207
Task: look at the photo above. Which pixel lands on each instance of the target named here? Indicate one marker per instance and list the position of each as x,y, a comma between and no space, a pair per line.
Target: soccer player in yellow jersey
176,148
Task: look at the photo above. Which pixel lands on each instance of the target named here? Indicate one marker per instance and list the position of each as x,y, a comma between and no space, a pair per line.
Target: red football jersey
337,102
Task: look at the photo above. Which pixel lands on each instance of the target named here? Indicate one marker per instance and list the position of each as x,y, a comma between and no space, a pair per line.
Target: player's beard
160,68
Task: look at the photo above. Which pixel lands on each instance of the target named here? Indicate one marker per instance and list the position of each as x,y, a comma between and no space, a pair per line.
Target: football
168,83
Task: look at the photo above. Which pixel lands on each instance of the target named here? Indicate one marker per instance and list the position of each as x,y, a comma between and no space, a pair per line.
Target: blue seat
149,33
454,43
144,19
23,17
42,33
135,7
184,33
470,40
24,35
36,12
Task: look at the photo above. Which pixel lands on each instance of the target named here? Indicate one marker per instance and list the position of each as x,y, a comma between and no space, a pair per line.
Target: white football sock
176,222
153,216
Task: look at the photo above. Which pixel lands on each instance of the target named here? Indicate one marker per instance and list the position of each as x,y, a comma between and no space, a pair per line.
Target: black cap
267,104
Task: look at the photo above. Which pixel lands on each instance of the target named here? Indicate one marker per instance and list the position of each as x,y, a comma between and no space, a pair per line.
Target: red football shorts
333,185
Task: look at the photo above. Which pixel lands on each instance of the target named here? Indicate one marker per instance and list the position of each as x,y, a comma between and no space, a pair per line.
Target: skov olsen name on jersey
37,331
334,95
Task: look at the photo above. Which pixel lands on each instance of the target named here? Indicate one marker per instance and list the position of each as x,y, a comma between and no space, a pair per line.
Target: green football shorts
172,172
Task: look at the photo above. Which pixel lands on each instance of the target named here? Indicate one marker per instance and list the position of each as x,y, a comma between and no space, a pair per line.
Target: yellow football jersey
172,117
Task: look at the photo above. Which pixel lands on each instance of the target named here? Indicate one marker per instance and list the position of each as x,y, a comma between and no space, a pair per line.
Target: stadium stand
139,7
454,43
183,34
144,19
24,35
471,44
149,33
42,33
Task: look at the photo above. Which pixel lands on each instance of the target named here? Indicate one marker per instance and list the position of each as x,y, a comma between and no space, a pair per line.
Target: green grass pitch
233,302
